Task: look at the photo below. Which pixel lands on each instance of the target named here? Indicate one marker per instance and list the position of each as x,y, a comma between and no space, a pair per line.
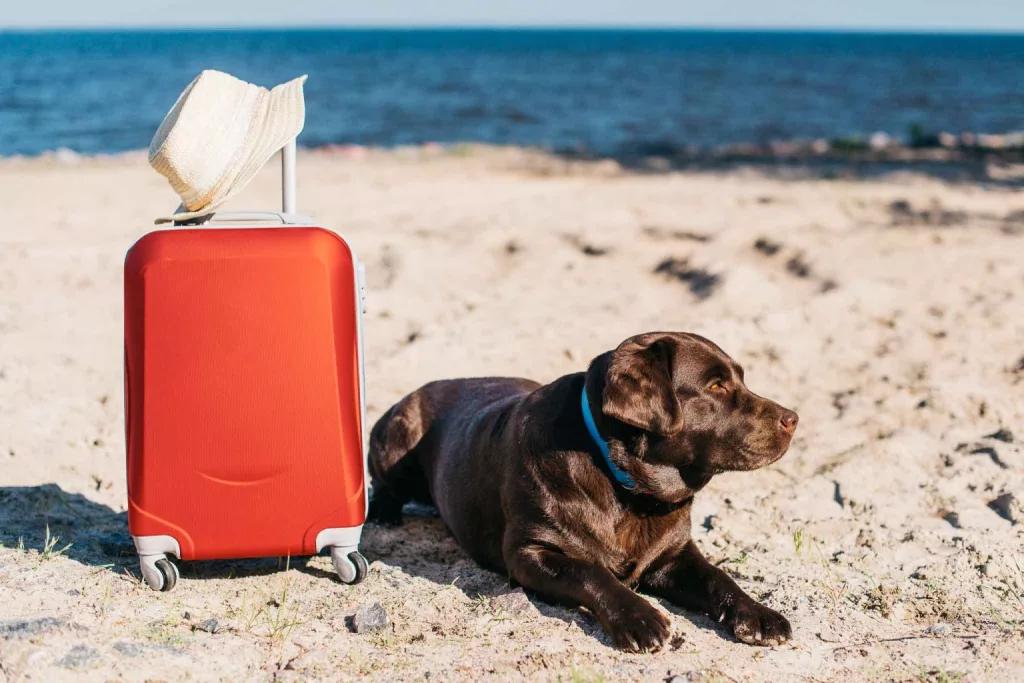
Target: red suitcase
244,392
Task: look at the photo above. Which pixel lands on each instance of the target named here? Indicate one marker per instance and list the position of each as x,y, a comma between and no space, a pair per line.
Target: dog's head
677,399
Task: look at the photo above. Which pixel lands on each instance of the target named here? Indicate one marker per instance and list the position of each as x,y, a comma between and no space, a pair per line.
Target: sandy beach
888,311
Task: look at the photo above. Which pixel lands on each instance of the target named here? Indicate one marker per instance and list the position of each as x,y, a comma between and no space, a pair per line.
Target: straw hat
219,134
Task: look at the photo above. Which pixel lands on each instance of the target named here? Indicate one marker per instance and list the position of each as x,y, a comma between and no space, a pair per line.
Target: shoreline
879,146
796,159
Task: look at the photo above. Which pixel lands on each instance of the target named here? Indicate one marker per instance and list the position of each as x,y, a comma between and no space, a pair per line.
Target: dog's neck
621,477
663,488
665,483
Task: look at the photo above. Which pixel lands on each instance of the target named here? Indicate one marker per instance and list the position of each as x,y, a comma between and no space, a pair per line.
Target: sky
921,15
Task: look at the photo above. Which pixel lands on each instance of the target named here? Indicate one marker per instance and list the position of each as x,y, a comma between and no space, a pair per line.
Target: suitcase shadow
53,522
50,522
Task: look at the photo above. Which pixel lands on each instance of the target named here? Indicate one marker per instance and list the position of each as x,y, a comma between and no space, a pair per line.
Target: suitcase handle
288,177
287,216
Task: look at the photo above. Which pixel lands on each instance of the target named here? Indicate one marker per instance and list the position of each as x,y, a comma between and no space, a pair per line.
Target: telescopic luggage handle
288,214
288,177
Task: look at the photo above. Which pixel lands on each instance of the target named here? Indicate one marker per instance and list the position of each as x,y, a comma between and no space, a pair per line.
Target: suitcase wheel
160,573
351,567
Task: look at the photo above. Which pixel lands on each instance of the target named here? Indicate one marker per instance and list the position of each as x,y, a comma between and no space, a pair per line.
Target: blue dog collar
620,476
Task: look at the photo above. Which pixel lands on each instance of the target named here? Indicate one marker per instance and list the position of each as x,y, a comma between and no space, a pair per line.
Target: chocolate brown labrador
580,489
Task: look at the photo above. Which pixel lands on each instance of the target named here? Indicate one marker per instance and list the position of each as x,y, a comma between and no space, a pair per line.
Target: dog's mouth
754,457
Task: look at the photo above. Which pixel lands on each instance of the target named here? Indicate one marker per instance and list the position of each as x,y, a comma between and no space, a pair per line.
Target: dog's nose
789,420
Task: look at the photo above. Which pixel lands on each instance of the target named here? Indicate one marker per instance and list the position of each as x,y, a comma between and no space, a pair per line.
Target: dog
582,488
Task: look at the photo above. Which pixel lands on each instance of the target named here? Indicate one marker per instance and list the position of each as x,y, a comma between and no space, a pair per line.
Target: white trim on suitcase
157,545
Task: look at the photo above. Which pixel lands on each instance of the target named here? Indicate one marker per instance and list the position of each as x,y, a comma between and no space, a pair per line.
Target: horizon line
893,30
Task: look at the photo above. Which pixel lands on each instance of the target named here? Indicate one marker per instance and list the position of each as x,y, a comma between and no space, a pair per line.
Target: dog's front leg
631,622
689,580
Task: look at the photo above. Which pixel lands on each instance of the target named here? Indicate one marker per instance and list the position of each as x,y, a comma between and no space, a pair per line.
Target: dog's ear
639,388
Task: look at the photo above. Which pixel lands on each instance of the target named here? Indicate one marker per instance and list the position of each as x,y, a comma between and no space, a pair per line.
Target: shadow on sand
34,517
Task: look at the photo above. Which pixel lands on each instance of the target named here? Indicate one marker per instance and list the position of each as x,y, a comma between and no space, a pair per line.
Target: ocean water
607,91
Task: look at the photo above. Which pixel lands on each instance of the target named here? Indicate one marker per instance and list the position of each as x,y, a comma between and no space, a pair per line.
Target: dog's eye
717,385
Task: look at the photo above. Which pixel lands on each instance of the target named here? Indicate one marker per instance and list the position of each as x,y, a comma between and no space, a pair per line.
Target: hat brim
277,121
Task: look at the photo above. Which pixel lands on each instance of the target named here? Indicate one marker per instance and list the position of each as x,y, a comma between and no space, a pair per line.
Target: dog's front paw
755,624
638,627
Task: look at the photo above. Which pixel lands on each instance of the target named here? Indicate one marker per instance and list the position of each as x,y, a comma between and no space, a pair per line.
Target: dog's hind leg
385,507
397,474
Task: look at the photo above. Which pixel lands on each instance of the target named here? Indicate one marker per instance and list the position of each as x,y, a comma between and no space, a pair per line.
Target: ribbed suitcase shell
243,389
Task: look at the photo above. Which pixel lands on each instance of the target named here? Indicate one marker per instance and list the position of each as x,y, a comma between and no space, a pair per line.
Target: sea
600,91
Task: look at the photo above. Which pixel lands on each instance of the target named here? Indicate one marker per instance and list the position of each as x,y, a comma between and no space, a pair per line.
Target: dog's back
409,459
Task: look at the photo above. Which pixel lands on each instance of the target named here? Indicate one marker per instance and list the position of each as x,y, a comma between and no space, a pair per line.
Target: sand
888,311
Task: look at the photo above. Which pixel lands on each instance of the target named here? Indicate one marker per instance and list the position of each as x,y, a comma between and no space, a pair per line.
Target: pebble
370,618
939,629
209,626
79,656
513,603
17,628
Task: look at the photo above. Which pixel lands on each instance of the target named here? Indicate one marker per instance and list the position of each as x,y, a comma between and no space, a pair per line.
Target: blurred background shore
678,95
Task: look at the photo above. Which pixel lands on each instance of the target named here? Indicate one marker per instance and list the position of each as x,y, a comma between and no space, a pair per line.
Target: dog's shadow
701,621
422,546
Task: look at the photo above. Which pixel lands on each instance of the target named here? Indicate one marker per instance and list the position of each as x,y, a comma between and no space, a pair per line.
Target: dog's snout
789,420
